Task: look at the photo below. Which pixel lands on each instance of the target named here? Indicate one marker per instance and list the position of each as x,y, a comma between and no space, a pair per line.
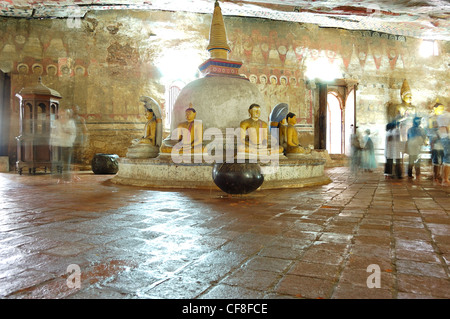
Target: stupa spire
218,63
218,45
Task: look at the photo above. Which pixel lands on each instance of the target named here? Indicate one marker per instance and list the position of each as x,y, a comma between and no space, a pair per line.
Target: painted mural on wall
276,61
273,61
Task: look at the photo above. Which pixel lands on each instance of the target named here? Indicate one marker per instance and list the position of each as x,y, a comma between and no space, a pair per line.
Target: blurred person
416,138
368,162
388,152
392,151
437,150
80,143
443,122
355,149
397,152
62,136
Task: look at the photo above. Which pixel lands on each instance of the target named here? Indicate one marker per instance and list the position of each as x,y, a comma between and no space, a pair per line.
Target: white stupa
222,96
221,99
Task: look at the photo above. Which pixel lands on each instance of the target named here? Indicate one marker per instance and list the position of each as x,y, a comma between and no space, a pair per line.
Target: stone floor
324,242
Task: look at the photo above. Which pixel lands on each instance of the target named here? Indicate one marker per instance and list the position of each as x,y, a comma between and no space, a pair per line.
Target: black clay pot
237,178
105,163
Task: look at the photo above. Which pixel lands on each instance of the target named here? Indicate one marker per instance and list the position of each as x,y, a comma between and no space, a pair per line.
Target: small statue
147,146
293,145
187,138
254,134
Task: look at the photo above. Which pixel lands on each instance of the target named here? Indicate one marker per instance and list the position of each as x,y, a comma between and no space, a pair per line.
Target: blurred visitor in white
62,136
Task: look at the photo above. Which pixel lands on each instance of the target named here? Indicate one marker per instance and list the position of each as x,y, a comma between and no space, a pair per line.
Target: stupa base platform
162,172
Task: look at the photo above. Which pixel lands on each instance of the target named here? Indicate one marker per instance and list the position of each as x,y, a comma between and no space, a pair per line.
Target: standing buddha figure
405,109
403,113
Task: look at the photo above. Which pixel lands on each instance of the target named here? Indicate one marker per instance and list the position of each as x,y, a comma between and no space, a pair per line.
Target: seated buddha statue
149,136
147,145
293,145
254,134
187,138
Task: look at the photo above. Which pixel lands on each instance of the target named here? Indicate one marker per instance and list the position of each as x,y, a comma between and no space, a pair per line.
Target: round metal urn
237,178
105,163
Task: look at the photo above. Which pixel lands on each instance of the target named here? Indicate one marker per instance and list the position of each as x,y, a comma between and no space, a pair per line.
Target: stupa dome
220,102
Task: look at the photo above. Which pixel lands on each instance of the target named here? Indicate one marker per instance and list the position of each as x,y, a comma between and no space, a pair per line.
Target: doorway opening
5,112
334,116
334,124
349,121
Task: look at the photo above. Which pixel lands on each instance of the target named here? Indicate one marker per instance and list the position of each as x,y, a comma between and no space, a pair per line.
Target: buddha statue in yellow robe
187,138
149,136
147,146
293,145
405,109
254,134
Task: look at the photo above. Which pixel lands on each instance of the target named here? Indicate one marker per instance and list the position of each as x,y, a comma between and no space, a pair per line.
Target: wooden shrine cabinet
38,109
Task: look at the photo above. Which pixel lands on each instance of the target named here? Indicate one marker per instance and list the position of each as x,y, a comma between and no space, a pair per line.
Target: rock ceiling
429,19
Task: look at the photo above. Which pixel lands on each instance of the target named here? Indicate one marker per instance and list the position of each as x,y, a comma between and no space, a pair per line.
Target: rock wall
104,62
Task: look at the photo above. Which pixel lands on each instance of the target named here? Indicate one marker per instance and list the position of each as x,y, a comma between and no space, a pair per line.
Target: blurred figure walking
392,151
355,153
62,136
437,150
80,143
368,162
416,138
443,122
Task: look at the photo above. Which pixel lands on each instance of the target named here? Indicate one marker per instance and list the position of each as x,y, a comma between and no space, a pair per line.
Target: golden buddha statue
254,134
149,130
148,145
405,109
187,138
293,145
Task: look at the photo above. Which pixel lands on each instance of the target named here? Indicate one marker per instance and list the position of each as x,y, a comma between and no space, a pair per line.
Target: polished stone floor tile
92,239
